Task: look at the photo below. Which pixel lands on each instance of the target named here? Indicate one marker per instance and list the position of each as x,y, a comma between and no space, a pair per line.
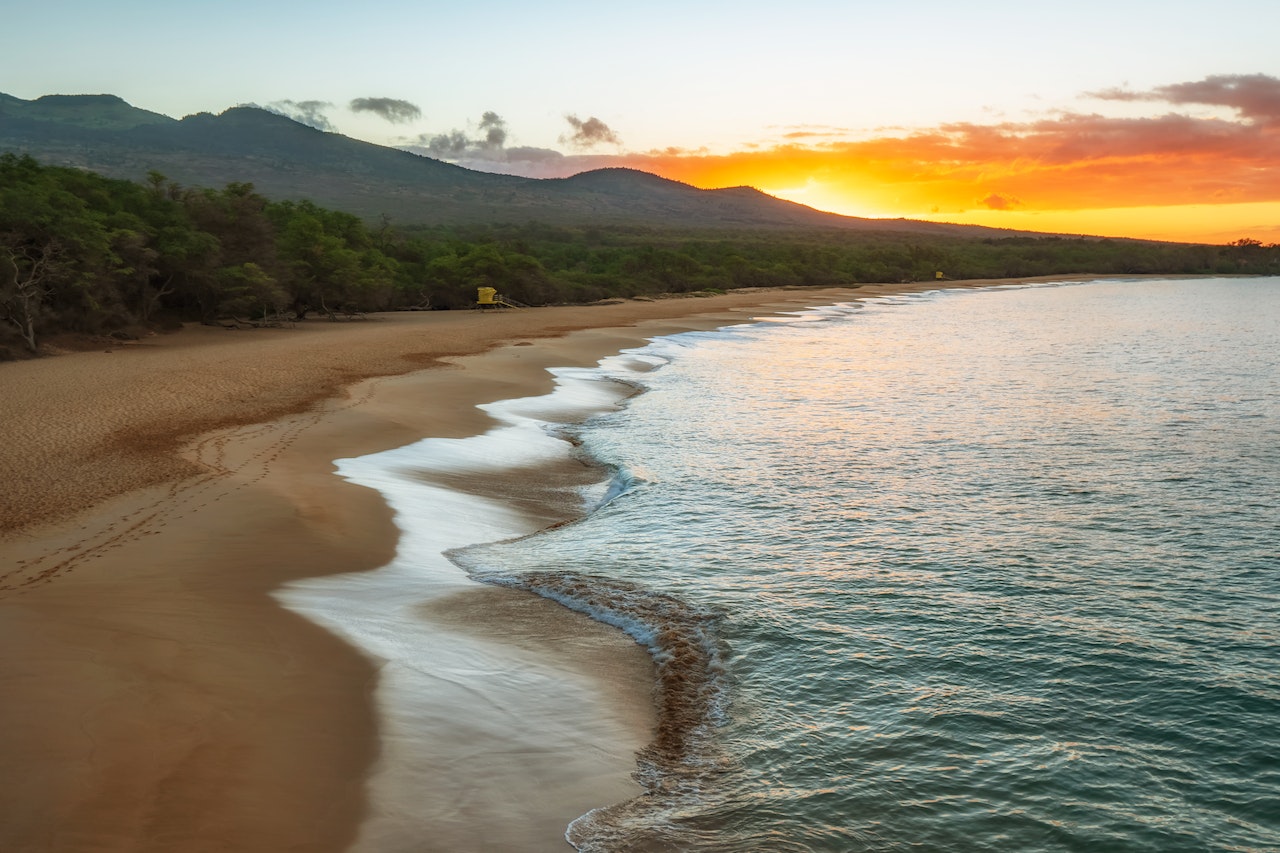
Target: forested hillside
286,160
81,253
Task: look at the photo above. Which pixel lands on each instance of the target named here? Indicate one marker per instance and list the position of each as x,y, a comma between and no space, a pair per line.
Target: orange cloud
1168,176
1069,162
995,201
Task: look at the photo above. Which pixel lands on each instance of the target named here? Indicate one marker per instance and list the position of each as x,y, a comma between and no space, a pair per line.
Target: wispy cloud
310,113
1254,96
797,132
390,109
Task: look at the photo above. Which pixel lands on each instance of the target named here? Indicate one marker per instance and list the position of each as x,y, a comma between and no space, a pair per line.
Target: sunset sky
1145,119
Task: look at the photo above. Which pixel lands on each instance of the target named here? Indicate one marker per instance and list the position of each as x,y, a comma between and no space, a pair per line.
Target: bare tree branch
27,278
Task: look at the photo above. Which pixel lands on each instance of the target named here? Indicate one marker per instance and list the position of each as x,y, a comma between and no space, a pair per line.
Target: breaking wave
690,695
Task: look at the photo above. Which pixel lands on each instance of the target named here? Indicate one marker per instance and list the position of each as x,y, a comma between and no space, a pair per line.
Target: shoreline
163,701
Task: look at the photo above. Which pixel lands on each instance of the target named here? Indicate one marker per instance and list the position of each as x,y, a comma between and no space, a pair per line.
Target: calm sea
968,570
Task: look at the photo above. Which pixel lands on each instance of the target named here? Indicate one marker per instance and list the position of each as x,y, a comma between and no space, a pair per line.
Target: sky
1141,119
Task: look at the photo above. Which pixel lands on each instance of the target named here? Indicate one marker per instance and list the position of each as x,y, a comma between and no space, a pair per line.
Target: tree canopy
86,254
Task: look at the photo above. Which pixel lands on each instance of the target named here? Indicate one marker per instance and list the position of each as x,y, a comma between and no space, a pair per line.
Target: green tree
247,289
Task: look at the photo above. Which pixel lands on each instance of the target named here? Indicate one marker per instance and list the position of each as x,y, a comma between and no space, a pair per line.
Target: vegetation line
82,253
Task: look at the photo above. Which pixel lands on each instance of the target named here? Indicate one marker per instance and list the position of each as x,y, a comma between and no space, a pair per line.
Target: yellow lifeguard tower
488,297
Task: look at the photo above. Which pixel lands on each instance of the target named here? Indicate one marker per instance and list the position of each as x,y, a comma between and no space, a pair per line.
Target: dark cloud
494,129
390,109
310,113
459,144
1254,96
588,133
444,145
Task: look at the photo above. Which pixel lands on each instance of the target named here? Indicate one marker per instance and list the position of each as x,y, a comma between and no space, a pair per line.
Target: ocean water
967,570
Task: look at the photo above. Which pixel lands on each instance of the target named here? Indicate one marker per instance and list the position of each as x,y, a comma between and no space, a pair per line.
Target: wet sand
157,495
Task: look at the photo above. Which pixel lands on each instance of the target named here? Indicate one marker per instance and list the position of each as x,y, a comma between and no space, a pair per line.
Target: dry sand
154,495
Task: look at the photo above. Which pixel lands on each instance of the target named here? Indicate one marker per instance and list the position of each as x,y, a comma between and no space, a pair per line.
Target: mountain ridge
285,159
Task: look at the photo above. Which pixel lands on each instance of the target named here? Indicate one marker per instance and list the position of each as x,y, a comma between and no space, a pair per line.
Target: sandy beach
156,496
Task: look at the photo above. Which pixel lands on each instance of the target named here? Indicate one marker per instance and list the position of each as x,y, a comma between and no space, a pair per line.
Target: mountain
104,112
284,159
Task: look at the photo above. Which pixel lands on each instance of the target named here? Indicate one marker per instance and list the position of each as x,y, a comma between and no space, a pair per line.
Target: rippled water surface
984,570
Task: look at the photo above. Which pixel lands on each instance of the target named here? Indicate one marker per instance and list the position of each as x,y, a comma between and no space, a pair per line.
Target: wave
691,695
691,692
691,698
624,481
